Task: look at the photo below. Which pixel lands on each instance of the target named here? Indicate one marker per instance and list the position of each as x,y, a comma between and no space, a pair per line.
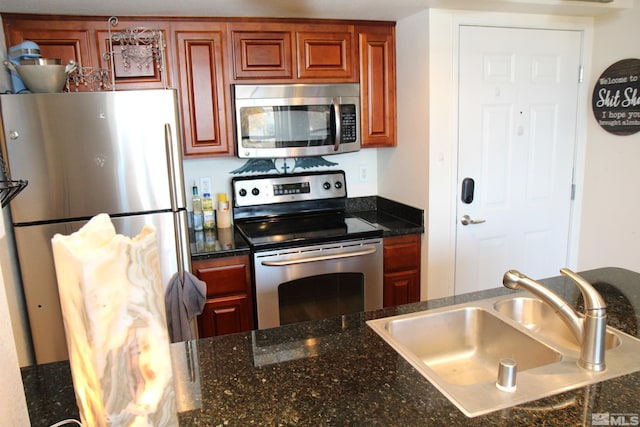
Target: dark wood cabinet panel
378,87
326,55
401,288
131,75
229,305
203,92
225,315
401,270
264,54
56,41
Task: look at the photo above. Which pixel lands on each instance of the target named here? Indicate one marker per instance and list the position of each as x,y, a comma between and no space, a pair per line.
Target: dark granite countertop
340,372
220,242
393,218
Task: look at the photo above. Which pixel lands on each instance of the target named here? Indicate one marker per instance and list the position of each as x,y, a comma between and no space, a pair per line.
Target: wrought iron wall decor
138,47
268,165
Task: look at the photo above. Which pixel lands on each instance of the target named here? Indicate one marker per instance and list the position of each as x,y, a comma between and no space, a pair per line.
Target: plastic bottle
209,219
224,215
196,204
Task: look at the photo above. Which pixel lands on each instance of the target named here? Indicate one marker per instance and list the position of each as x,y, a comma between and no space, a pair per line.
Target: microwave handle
335,102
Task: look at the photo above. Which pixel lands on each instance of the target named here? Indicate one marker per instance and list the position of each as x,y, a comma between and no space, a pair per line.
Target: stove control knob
338,185
326,185
242,192
255,191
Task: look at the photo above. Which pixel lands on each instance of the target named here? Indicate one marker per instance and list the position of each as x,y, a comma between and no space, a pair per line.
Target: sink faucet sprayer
590,330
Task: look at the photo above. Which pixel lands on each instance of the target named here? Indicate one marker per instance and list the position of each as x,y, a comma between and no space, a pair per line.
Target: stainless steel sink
464,346
538,317
458,349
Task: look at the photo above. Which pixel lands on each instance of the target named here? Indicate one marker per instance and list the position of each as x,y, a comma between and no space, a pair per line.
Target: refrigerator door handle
173,194
168,139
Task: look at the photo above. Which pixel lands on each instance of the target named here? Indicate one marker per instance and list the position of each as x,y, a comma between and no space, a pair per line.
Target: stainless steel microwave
296,120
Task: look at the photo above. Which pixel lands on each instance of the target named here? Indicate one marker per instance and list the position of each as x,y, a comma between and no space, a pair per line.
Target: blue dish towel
184,299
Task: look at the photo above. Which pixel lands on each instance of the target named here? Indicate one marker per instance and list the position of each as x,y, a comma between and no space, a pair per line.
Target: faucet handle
592,298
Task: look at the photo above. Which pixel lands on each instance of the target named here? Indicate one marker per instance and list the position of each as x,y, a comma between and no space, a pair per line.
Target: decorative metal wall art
139,48
268,165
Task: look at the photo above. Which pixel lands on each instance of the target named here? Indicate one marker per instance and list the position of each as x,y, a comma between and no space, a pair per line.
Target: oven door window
320,297
286,126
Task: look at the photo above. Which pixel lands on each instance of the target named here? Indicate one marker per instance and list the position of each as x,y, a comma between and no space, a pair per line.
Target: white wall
403,171
610,231
13,405
219,170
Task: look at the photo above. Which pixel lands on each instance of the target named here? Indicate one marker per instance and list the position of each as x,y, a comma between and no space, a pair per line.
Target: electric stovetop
305,229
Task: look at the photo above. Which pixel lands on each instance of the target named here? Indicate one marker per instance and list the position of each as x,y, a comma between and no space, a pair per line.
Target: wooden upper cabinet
327,54
378,86
57,39
291,53
261,52
142,70
204,91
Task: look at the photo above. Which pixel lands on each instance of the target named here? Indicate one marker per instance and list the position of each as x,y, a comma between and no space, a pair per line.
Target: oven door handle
362,252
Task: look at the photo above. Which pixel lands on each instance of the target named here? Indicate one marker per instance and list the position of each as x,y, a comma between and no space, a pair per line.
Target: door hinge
581,74
573,191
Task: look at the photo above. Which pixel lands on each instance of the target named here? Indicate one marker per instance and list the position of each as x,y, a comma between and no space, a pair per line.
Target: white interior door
518,91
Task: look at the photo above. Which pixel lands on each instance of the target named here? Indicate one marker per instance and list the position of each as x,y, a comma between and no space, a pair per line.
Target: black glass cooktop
305,229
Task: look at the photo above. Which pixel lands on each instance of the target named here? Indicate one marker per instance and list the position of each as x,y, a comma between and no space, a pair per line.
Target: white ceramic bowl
43,78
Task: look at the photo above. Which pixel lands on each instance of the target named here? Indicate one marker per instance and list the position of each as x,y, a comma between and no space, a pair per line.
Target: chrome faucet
590,330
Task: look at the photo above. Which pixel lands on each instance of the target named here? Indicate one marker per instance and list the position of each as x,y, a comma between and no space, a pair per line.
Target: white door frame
443,135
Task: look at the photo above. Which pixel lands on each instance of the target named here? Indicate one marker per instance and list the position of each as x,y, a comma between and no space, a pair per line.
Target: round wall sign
616,98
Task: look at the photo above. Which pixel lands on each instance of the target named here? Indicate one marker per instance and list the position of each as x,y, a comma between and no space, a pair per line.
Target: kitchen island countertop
339,372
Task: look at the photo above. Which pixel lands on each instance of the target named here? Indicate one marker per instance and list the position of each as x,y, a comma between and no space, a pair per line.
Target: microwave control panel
348,123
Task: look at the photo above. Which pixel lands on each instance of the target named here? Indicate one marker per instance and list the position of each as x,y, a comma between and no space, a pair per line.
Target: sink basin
458,349
538,317
464,346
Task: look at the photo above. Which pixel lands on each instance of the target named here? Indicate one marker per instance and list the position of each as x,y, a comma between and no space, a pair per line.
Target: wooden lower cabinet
229,305
401,270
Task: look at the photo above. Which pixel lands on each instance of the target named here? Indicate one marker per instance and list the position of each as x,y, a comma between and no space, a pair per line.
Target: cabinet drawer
224,276
401,253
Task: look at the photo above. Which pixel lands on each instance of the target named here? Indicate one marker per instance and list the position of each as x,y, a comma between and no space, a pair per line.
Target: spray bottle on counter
208,217
223,213
196,203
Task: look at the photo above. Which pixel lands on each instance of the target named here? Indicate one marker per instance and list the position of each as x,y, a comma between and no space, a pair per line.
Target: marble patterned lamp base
114,317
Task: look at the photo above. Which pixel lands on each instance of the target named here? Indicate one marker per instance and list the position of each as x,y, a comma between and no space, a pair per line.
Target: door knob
466,220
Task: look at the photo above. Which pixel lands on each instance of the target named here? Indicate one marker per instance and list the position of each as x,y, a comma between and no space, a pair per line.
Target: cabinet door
55,41
401,270
225,315
261,52
327,55
140,71
401,288
205,103
378,87
229,305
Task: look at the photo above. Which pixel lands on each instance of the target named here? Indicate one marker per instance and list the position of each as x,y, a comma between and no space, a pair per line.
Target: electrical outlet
205,185
364,174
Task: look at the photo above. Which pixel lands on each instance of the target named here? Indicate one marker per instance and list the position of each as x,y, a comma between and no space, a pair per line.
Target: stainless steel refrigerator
83,154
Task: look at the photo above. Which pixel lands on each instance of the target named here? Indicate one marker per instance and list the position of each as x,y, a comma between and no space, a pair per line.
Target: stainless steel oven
311,260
